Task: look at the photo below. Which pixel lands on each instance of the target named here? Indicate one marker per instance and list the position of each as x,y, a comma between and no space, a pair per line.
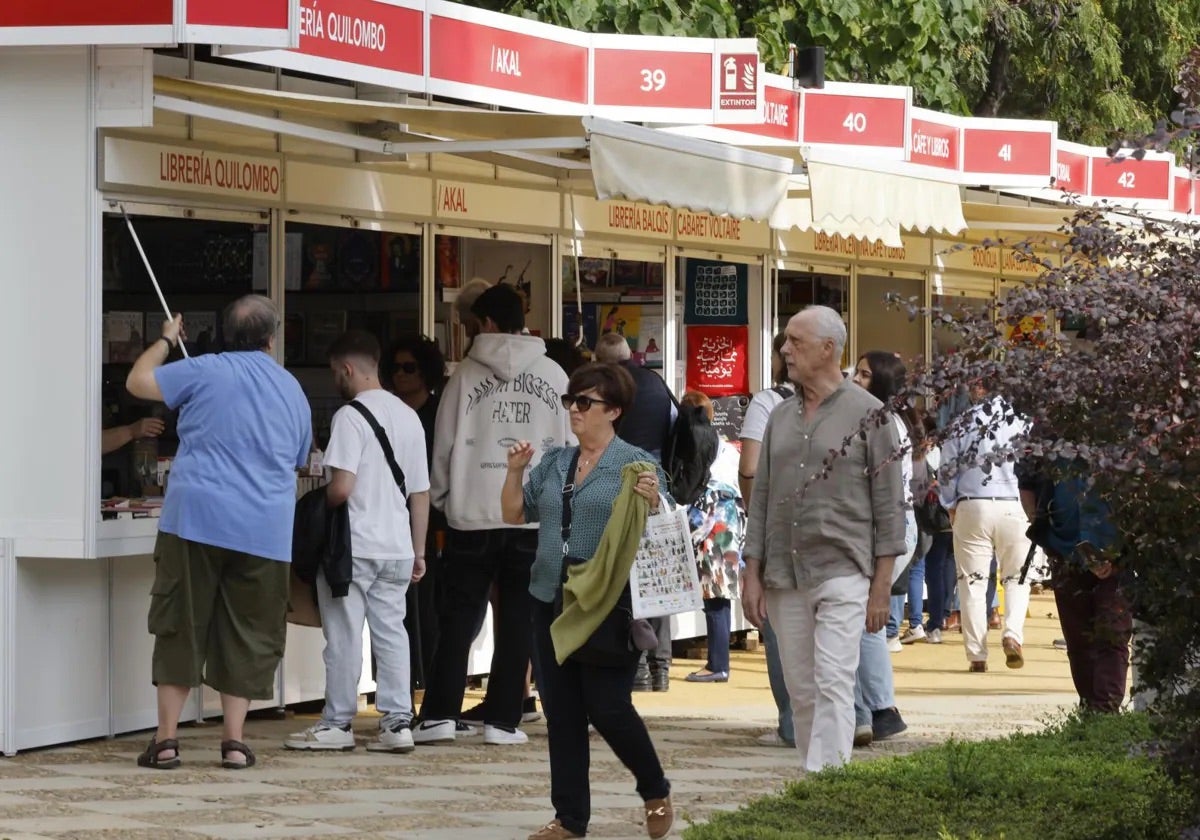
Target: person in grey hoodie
506,390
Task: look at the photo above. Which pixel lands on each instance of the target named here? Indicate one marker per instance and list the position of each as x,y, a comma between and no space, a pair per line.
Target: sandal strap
235,746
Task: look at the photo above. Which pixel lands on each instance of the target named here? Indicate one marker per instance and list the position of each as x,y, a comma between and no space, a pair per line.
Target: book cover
323,329
293,339
122,338
201,331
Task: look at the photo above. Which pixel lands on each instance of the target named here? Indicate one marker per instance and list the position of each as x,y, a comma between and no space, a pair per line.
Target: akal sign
190,169
491,204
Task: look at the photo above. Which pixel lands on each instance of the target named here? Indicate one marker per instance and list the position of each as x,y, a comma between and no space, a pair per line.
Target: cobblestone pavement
705,733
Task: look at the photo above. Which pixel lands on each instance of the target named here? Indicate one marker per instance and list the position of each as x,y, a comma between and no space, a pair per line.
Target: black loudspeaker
809,69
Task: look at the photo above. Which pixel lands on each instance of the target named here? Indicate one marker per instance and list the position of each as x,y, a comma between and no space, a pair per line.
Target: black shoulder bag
612,644
381,436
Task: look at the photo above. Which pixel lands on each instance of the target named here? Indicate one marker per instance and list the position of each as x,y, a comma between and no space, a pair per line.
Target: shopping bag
663,580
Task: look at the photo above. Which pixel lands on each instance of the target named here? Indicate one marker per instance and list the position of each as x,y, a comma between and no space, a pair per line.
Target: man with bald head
219,601
823,538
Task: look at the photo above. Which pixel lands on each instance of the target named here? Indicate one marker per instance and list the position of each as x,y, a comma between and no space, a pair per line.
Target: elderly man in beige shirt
824,533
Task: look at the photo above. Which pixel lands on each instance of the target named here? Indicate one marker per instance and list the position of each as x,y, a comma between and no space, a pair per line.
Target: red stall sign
1125,179
781,113
52,22
509,61
1009,152
1181,201
935,140
262,23
651,78
1072,168
376,41
872,116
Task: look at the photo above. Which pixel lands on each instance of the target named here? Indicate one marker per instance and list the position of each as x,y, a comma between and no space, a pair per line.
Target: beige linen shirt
807,529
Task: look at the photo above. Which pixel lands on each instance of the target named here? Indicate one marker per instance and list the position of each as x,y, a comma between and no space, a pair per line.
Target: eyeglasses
584,403
406,367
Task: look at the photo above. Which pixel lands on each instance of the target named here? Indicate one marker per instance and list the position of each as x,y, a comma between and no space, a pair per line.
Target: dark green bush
1086,778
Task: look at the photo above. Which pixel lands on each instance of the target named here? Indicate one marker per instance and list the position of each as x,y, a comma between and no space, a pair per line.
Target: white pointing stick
146,262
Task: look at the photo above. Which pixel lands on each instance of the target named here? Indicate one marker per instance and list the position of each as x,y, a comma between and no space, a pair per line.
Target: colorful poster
624,320
716,360
447,261
716,293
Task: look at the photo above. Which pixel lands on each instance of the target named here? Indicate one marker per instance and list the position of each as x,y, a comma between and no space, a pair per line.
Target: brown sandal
150,756
236,746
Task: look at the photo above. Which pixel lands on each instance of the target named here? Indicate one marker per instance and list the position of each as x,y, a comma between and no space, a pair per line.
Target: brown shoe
1013,657
978,667
660,816
553,831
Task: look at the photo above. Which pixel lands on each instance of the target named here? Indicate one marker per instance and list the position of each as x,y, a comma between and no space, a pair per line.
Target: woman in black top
415,371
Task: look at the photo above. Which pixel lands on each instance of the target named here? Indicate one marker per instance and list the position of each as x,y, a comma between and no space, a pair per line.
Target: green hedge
1085,778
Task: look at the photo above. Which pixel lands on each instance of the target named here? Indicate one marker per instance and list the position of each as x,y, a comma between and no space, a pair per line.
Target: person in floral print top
718,524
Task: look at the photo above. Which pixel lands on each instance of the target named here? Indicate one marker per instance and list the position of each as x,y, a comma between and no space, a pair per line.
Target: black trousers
471,562
1097,624
574,695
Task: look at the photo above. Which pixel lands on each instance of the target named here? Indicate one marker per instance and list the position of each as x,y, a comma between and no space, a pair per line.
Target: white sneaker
398,740
465,730
434,732
934,637
863,735
502,737
893,644
916,633
321,736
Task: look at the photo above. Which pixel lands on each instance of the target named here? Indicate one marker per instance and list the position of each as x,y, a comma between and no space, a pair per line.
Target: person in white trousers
822,538
389,514
988,521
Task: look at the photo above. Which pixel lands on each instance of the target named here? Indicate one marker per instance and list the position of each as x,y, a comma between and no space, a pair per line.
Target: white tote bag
663,579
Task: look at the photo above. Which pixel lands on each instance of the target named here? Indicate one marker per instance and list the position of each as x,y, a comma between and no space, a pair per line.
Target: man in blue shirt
219,601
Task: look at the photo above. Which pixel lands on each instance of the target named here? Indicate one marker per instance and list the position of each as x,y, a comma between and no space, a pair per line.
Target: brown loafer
660,816
553,831
978,667
1013,657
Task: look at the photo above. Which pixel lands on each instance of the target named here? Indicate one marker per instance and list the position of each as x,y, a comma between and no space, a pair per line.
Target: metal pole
146,262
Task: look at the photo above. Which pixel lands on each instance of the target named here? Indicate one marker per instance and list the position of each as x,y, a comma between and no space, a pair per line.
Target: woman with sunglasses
415,371
574,693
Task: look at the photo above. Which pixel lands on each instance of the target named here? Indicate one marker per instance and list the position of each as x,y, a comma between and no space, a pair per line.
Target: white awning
645,164
866,201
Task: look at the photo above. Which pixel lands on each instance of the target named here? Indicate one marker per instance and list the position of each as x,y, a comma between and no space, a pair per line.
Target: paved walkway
468,791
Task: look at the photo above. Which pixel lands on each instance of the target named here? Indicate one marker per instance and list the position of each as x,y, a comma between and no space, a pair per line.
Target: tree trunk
998,78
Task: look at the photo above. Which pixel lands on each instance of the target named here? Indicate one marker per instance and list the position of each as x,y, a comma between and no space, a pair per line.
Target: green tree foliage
1095,66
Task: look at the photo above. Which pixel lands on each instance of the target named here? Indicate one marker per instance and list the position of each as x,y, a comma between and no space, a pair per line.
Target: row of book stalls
359,190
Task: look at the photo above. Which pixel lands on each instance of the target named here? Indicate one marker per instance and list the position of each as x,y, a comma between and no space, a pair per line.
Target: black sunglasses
584,403
406,367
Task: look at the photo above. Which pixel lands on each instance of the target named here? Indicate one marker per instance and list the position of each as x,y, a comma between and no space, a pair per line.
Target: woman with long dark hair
883,375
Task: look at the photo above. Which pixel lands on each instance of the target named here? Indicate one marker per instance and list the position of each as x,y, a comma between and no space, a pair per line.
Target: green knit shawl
593,587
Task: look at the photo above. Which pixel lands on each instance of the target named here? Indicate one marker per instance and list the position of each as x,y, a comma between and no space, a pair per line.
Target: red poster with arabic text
716,363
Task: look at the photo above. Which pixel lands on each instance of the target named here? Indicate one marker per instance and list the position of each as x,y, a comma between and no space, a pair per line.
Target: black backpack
691,451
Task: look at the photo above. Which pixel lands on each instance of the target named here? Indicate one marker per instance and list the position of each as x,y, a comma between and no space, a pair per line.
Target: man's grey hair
829,324
612,348
250,323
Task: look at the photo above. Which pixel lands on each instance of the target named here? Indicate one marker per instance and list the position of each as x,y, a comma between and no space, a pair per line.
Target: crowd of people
525,480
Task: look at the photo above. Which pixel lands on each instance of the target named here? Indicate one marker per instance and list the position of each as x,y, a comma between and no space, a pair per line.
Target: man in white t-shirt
389,514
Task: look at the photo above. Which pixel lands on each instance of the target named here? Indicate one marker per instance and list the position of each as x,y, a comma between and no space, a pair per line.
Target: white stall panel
61,651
